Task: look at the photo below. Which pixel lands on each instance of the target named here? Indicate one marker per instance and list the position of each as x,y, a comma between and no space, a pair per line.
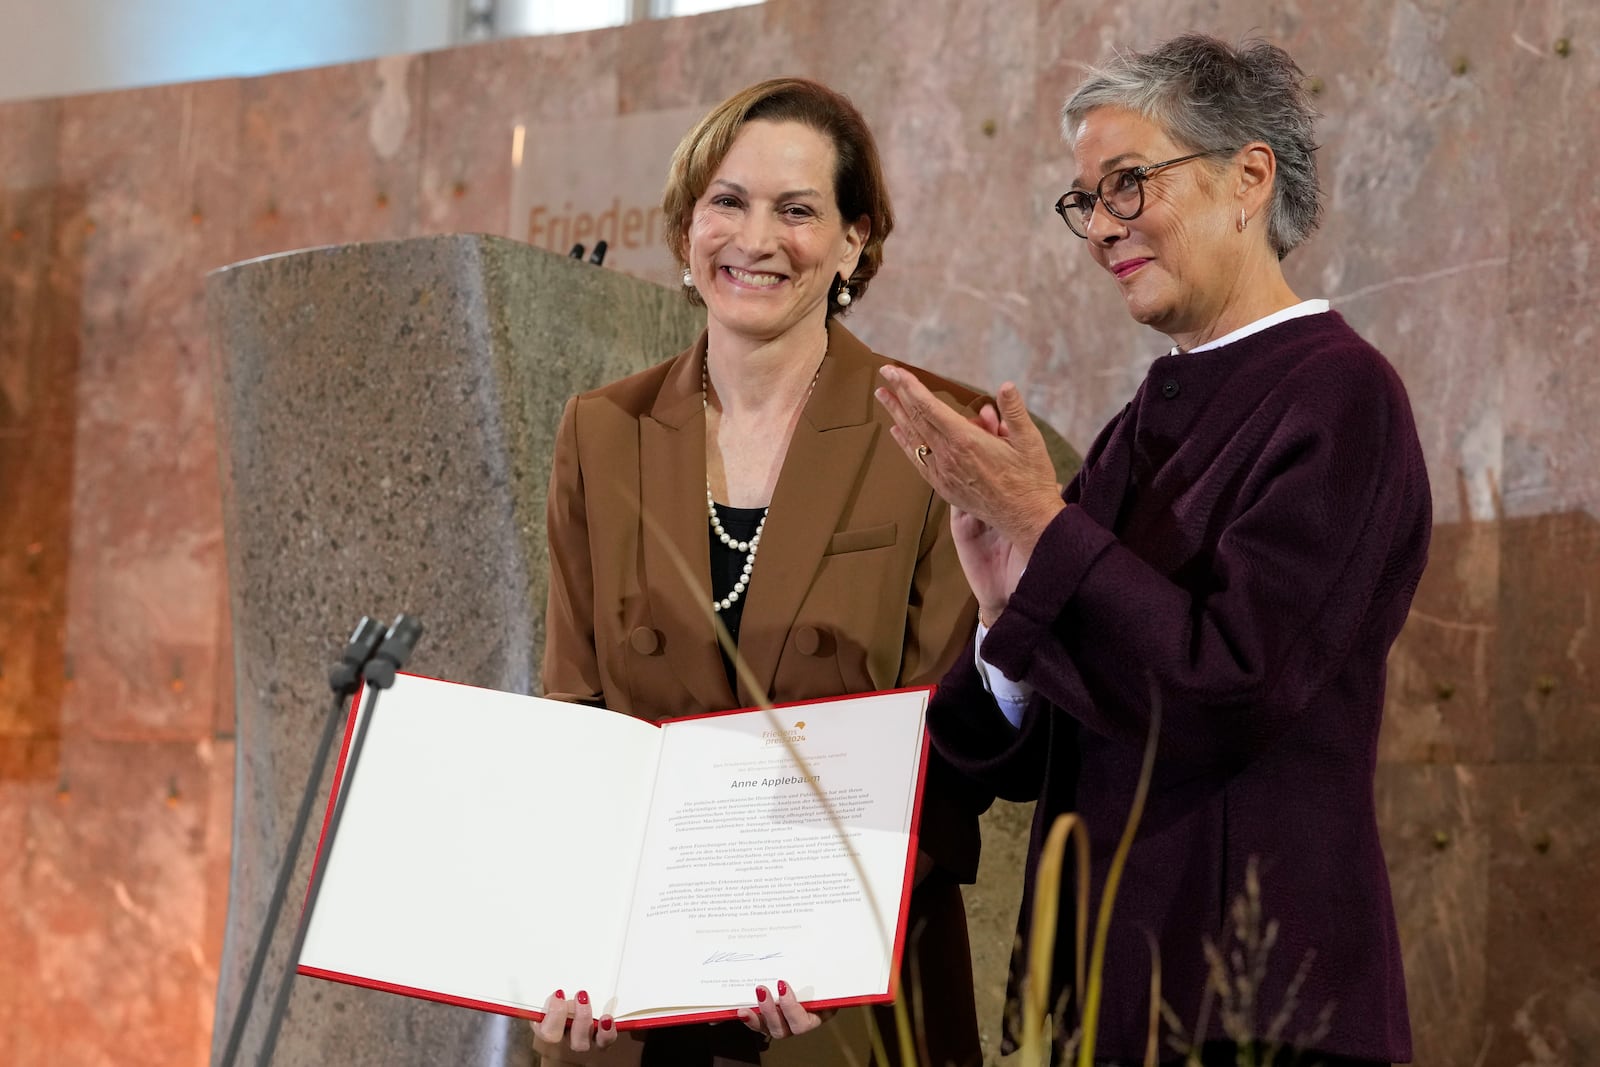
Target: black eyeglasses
1120,191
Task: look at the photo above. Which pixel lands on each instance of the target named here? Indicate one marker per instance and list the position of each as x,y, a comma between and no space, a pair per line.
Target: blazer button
1169,388
644,640
807,640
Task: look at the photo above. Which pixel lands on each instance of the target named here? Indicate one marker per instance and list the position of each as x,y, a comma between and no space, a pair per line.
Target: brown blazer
856,587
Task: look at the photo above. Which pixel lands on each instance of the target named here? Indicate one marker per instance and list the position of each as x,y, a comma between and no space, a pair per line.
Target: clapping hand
995,472
995,468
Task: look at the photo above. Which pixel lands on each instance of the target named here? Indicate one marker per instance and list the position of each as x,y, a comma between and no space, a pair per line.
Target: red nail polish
561,994
583,996
605,1022
783,988
761,993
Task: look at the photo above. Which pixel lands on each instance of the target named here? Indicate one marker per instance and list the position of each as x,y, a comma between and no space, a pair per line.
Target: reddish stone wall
1461,239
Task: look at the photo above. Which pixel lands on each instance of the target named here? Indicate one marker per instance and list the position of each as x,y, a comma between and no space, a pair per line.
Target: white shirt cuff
1011,696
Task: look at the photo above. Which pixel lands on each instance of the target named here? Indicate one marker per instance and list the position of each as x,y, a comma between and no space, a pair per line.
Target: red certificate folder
495,847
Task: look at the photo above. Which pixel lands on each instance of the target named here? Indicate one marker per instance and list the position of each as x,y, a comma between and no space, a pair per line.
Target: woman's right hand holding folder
573,1021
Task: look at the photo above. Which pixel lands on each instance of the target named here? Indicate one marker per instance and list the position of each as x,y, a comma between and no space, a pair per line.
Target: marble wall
1462,236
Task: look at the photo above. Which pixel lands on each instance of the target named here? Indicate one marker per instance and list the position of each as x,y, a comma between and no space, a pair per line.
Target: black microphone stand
378,672
345,680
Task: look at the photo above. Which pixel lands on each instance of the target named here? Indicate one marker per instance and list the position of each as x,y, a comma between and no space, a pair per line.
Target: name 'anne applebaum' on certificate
495,847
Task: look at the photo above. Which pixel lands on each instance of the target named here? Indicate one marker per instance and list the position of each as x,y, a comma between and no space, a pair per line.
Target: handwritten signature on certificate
739,957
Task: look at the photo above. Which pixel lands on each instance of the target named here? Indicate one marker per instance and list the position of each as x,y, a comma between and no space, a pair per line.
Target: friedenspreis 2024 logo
791,735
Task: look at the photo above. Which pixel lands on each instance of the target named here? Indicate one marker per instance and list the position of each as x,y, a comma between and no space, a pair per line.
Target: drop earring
688,279
1241,220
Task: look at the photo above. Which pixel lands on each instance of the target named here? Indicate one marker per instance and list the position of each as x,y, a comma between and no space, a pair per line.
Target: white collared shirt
1013,696
1305,307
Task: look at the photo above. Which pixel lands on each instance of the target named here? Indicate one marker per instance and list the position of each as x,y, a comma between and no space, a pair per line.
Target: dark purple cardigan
1245,538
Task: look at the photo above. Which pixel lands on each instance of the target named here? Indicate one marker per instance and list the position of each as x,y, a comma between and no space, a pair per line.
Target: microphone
397,646
599,255
346,674
576,253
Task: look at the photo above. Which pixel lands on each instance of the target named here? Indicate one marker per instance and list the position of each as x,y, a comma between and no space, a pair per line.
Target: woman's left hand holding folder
584,1030
780,1016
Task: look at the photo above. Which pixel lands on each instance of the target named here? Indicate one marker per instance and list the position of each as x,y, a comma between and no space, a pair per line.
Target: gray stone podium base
387,412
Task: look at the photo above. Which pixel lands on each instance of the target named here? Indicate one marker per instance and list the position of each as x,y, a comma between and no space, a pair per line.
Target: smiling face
1179,264
766,236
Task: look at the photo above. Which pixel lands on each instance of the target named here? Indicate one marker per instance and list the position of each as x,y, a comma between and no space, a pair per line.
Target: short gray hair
1210,96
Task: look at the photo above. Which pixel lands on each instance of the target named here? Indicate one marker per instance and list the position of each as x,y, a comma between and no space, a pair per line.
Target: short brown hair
858,185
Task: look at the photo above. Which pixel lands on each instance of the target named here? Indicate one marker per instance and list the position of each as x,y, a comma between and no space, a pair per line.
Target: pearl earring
843,297
688,279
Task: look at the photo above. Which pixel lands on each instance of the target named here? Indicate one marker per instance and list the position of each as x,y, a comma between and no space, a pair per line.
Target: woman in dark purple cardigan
1243,541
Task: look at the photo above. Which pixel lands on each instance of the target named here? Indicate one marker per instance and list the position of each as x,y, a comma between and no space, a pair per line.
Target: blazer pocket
861,540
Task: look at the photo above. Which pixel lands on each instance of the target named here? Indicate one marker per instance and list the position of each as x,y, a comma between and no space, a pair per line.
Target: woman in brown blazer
757,460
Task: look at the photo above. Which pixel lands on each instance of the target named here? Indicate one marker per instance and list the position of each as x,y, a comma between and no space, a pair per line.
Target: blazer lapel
830,447
672,465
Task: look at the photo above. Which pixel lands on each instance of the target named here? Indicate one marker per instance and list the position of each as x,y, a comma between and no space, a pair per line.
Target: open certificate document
497,847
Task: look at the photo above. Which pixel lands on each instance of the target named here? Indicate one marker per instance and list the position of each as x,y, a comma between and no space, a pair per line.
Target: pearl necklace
747,547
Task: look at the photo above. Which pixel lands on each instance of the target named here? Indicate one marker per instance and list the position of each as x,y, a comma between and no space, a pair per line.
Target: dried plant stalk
1119,860
1042,939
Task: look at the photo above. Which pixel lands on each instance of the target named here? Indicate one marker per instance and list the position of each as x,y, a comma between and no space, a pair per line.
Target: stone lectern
387,413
